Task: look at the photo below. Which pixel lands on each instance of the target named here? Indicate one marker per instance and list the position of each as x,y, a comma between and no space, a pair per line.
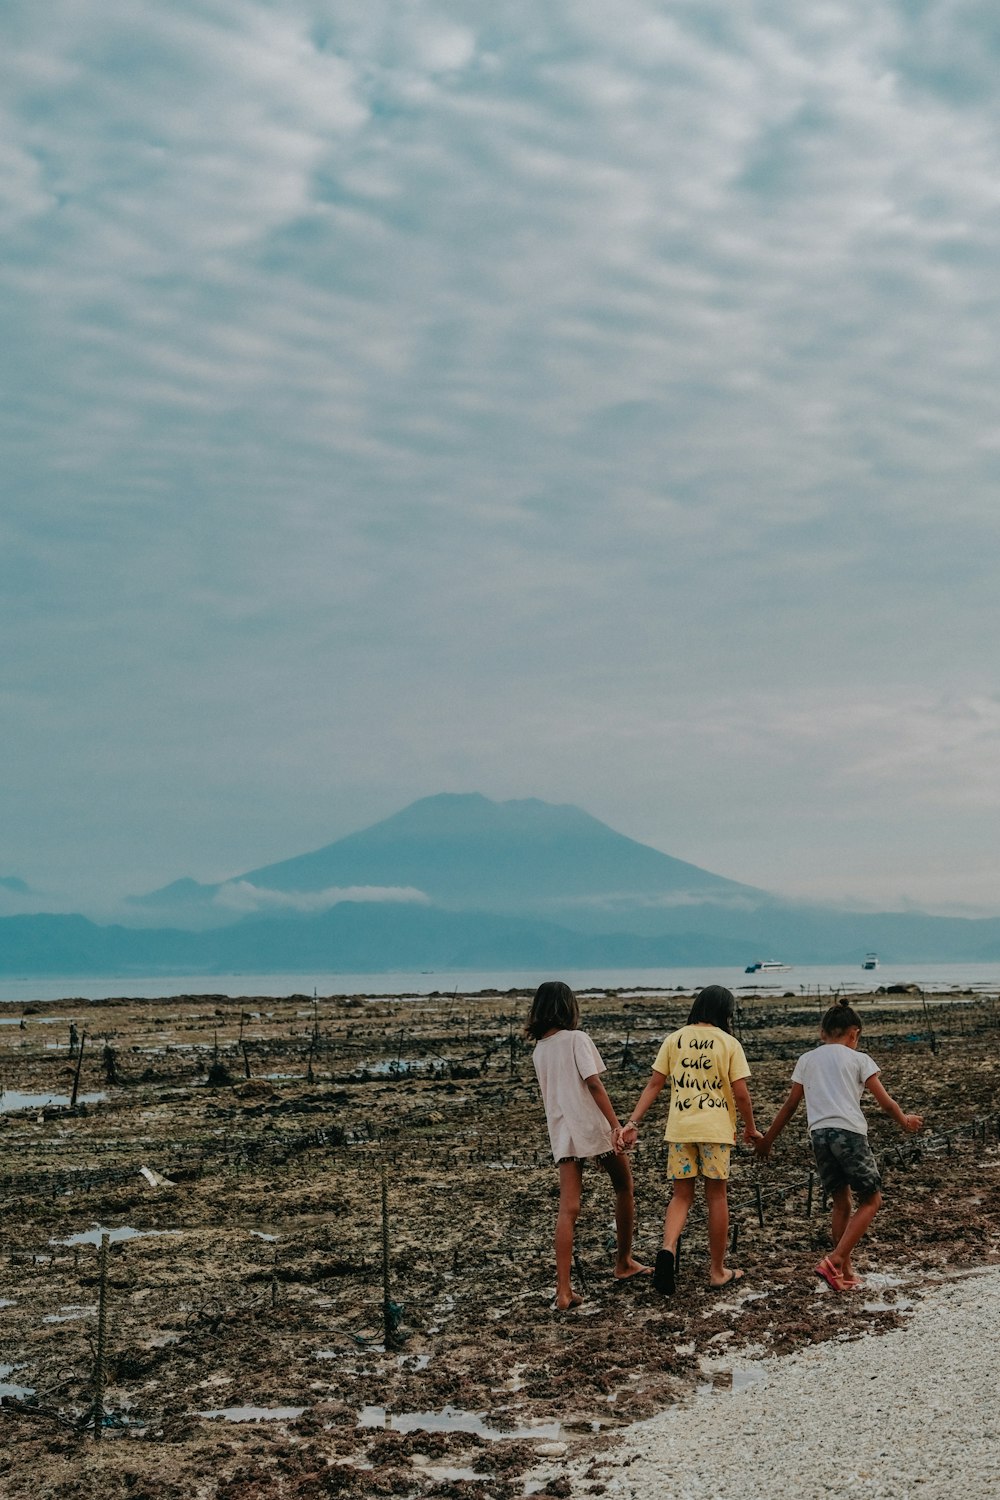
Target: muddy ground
277,1122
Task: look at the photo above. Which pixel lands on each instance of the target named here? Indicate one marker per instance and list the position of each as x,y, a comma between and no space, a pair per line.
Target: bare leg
857,1225
570,1189
678,1209
620,1172
843,1207
717,1203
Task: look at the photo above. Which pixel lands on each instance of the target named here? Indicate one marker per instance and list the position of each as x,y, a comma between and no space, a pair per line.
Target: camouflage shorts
844,1159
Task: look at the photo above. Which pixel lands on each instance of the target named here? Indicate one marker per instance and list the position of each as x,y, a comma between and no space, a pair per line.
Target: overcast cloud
585,401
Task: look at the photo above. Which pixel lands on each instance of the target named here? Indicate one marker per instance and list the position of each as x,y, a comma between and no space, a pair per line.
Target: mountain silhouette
458,881
465,852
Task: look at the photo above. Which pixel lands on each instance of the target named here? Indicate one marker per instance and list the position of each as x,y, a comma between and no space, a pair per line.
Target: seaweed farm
302,1247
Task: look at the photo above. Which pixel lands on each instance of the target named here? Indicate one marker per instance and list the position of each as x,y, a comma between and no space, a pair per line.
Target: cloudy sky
589,401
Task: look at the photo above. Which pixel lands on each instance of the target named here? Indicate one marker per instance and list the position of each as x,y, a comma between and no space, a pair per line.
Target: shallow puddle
70,1314
443,1475
450,1419
115,1236
256,1413
728,1380
33,1020
21,1392
391,1067
13,1099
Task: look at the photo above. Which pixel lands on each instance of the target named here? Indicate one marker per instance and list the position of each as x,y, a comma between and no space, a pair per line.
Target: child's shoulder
568,1036
805,1061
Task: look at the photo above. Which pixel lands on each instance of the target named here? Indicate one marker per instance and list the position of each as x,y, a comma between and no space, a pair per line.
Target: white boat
870,961
767,966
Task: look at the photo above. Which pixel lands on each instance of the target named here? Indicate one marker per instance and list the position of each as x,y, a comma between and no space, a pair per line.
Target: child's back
833,1079
702,1063
577,1128
582,1127
707,1069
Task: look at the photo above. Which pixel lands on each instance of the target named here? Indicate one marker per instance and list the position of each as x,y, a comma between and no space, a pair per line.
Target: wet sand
263,1285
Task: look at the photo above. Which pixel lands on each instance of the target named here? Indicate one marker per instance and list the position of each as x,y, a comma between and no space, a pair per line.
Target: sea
801,979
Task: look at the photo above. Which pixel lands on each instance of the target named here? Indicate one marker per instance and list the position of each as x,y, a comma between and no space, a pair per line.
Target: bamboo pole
102,1335
76,1075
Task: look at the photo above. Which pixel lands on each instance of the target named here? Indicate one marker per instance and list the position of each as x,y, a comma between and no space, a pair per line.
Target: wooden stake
102,1332
388,1322
76,1076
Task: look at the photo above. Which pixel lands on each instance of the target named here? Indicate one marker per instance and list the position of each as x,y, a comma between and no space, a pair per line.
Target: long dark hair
555,1007
715,1006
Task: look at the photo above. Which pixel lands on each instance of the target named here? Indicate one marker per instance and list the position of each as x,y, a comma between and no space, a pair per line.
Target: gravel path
909,1415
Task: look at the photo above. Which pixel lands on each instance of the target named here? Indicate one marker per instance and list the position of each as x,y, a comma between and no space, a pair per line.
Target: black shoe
663,1272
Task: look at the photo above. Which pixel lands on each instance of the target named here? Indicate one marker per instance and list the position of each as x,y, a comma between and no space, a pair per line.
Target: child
582,1125
708,1072
833,1078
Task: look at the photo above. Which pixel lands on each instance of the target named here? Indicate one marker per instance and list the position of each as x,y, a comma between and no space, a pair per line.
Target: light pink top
576,1125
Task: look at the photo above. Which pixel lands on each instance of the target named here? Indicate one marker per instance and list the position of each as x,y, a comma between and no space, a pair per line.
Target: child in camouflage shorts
832,1078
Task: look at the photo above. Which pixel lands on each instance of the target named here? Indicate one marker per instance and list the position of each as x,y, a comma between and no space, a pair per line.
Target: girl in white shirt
582,1125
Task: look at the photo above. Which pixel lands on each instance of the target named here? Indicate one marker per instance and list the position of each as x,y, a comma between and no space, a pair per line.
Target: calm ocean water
802,979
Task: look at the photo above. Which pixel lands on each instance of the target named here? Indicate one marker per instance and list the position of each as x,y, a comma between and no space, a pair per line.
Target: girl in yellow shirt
708,1070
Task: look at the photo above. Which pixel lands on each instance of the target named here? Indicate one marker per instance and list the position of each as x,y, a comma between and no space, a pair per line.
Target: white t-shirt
576,1125
834,1078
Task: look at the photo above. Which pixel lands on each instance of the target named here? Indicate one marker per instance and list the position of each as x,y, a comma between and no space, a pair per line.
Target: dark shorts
844,1159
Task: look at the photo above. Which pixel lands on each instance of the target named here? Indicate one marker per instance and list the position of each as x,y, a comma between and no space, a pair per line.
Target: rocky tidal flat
257,1343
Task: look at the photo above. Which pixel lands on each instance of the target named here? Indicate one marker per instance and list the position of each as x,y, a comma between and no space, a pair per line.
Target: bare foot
632,1268
727,1278
564,1302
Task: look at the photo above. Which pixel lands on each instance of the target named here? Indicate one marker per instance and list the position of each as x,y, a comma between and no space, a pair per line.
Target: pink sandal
829,1273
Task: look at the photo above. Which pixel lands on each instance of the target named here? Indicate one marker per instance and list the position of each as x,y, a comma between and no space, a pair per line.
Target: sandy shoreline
912,1414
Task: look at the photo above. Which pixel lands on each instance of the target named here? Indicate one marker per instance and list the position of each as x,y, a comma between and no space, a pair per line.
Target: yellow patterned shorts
698,1158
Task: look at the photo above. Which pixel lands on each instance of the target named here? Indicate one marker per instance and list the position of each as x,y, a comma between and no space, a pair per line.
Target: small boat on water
767,966
870,961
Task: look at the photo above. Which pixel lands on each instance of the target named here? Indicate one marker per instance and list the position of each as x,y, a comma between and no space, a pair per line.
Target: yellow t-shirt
702,1063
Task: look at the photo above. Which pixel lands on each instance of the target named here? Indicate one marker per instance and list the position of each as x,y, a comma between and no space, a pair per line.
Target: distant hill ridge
458,881
467,852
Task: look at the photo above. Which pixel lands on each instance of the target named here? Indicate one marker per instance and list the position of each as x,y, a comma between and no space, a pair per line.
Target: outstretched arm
910,1123
741,1098
795,1096
629,1134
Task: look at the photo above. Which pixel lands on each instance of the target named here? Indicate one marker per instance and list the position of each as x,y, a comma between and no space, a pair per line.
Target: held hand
762,1146
913,1123
628,1136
